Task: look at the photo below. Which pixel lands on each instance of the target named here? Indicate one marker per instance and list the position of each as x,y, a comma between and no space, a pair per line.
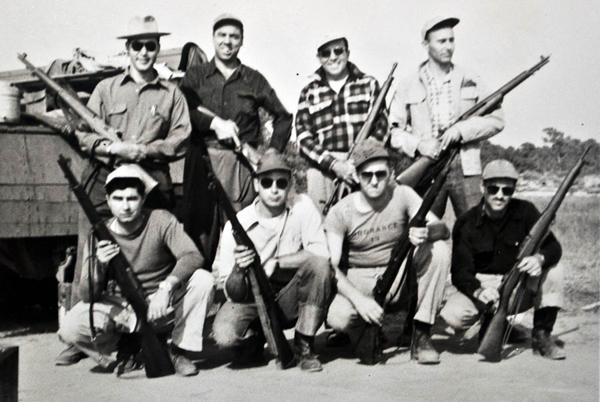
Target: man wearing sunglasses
425,107
288,235
485,245
369,223
331,110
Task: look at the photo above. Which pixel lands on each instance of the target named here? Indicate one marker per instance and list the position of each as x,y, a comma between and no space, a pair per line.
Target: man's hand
345,170
489,295
418,236
532,265
128,151
105,251
450,137
369,310
429,147
243,256
224,129
159,304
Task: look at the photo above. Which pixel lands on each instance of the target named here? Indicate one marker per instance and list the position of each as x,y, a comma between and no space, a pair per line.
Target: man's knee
342,315
319,268
201,284
226,330
459,312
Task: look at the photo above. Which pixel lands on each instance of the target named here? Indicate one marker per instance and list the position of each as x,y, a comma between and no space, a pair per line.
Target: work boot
541,341
69,356
422,349
183,366
337,339
304,351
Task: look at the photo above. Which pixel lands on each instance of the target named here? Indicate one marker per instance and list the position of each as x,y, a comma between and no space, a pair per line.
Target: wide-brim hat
369,150
438,22
132,171
272,160
500,169
331,37
142,27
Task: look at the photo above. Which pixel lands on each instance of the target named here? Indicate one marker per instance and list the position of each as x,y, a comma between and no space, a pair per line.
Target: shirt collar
428,77
511,211
212,69
127,77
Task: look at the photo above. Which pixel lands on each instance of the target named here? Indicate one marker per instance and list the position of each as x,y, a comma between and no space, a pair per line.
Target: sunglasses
325,53
380,174
267,183
508,191
150,46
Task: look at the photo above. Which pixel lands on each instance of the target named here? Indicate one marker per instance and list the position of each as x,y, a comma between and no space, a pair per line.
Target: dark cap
270,161
368,150
228,19
437,23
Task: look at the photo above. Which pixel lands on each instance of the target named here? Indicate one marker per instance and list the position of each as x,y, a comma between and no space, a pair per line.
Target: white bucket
10,103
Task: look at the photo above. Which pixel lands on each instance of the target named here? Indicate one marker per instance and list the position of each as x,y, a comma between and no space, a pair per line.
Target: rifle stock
491,344
424,169
368,348
157,361
365,131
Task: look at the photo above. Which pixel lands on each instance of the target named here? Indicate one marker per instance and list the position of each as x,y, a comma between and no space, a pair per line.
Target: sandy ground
461,376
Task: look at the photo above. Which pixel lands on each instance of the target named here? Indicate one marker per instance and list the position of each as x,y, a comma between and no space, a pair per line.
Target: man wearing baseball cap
332,108
287,231
166,263
152,116
369,222
424,110
486,241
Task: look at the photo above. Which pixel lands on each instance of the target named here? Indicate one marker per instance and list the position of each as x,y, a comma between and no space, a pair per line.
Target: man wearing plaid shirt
426,105
331,111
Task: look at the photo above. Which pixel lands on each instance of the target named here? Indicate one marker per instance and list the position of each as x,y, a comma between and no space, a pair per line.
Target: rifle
420,174
157,361
368,348
268,310
493,341
365,131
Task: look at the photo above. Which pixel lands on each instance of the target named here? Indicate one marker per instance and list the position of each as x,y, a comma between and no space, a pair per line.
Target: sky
496,39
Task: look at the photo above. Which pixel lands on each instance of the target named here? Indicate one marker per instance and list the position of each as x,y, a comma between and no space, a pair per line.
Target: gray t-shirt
372,234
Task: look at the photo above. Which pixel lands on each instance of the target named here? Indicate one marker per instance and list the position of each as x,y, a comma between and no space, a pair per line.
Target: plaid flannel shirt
439,98
329,122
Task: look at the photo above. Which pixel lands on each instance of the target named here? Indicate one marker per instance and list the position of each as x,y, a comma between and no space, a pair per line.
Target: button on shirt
439,99
487,246
298,228
154,114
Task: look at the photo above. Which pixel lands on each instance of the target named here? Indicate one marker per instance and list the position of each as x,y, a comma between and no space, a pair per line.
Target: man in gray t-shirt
370,221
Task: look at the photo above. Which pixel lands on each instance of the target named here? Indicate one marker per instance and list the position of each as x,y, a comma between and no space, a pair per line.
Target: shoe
543,345
183,366
305,357
423,351
337,339
69,356
129,363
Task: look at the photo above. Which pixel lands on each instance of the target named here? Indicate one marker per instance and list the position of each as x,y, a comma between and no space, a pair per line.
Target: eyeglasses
380,174
508,191
267,182
325,53
150,46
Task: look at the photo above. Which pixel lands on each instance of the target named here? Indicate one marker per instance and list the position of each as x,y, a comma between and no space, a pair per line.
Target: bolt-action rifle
368,347
341,189
496,334
420,174
157,361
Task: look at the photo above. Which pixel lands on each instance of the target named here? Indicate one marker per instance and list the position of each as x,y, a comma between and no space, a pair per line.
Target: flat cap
270,161
227,19
132,171
500,169
142,27
368,150
436,23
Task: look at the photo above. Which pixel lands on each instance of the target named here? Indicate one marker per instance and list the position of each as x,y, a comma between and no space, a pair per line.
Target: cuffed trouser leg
191,310
551,291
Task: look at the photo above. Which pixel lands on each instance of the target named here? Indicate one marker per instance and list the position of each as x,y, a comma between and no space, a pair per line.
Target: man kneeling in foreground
486,242
371,221
166,262
288,235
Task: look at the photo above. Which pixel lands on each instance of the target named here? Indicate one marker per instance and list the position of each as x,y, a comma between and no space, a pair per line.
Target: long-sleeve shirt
154,114
329,122
236,98
484,245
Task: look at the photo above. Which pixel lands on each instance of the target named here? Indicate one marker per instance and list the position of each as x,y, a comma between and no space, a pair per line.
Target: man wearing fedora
366,225
287,231
331,110
424,110
230,94
152,117
166,263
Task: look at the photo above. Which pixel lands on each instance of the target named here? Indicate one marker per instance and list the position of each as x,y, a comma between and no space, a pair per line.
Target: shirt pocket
322,115
358,104
468,97
247,102
116,115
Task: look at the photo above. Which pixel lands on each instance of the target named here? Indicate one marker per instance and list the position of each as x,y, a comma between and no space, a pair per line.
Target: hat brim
445,23
373,158
331,40
273,169
144,35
